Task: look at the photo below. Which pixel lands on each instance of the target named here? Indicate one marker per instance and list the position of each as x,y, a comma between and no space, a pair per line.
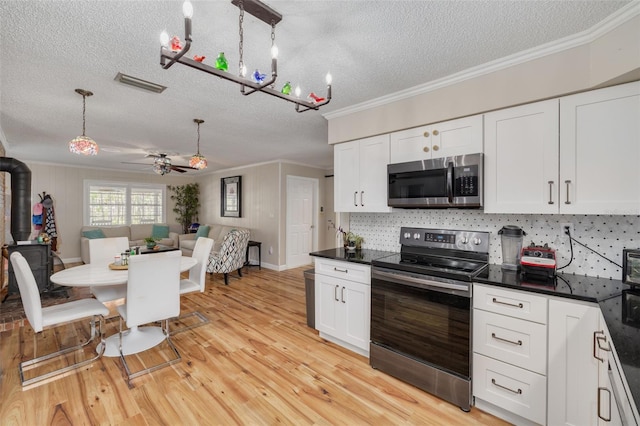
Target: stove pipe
20,197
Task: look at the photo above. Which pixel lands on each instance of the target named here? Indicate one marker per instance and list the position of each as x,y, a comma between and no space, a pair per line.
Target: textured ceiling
372,49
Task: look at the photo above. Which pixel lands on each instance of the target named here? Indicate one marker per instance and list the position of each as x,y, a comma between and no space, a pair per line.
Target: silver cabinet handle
518,392
346,271
519,342
362,198
342,295
335,293
567,182
596,341
600,389
519,305
550,192
355,195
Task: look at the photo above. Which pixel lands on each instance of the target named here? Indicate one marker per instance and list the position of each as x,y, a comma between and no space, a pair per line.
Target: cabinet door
355,299
600,151
410,145
457,137
374,157
573,371
346,165
521,159
327,290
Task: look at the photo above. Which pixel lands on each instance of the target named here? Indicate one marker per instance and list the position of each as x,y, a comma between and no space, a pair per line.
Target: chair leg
226,278
240,272
203,320
33,363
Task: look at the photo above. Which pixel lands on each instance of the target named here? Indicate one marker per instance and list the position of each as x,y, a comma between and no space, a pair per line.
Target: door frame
314,215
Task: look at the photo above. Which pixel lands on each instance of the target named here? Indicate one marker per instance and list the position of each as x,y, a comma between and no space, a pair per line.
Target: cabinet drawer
518,304
344,270
514,389
515,341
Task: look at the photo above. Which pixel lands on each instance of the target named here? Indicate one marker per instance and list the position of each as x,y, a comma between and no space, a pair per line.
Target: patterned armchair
231,256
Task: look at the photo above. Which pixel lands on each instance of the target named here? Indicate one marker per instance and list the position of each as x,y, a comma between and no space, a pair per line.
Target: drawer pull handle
601,339
335,293
342,295
518,392
609,393
346,271
519,305
519,342
550,192
567,182
596,341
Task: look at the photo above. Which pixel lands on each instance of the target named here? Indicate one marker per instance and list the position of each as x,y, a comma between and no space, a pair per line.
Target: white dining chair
197,279
51,316
153,295
103,251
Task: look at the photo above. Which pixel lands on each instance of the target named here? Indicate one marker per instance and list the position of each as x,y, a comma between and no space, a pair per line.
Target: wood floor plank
255,362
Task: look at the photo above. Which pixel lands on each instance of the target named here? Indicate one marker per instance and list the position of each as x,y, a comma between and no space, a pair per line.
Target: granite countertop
607,293
364,256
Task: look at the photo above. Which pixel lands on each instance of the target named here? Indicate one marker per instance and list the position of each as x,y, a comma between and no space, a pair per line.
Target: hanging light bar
172,51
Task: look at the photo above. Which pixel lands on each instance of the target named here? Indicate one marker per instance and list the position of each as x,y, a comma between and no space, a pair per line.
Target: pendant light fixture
83,144
198,161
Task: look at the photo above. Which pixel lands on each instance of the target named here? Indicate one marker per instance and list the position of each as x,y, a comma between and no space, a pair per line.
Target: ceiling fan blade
183,167
177,169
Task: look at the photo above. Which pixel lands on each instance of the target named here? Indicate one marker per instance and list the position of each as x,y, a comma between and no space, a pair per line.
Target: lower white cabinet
573,370
343,303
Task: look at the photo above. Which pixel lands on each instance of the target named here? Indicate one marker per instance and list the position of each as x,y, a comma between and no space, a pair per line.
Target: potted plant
187,204
150,242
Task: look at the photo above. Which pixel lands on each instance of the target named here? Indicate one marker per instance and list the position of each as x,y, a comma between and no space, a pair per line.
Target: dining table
135,339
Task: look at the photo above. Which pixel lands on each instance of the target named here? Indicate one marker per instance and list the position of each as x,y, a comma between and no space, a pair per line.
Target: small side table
254,244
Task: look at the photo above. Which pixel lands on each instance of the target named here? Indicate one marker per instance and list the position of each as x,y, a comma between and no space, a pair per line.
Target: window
118,203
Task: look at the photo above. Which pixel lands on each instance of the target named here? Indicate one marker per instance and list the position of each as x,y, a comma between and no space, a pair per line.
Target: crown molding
611,22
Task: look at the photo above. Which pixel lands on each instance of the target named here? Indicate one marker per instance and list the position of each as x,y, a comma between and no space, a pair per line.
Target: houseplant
187,204
150,242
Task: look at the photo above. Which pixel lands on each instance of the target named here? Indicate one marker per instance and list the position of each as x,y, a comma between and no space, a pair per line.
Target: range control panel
476,241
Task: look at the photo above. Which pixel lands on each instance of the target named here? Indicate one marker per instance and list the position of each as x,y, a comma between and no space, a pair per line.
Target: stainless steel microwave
437,183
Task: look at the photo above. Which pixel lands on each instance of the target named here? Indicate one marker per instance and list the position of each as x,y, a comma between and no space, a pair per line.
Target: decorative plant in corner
187,204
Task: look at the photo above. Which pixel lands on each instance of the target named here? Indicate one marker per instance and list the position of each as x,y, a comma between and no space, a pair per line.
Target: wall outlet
563,229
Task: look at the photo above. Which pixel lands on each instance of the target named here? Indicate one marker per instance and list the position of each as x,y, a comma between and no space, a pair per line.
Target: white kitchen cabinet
343,303
600,151
510,354
521,158
582,160
454,137
573,370
360,175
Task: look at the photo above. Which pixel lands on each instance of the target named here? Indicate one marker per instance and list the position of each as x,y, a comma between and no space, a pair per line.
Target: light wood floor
256,362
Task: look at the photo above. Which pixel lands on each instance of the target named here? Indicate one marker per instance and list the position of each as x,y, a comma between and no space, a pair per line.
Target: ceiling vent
140,84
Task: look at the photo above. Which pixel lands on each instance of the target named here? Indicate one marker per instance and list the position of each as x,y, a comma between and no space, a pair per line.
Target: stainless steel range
421,310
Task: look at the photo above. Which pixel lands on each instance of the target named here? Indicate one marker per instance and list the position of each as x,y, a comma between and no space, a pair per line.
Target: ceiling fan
162,164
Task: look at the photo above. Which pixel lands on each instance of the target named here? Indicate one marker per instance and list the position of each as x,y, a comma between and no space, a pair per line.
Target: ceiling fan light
83,145
161,168
198,162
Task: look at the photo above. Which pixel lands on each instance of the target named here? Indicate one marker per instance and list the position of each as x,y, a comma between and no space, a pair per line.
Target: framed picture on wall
231,196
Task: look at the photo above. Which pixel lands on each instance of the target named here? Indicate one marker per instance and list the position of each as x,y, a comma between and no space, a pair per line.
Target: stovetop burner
451,254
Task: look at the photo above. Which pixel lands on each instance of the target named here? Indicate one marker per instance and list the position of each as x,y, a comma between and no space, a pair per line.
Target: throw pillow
203,231
93,234
160,231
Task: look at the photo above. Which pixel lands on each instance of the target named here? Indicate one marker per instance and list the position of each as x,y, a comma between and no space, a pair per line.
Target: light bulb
297,91
328,78
274,51
187,9
164,39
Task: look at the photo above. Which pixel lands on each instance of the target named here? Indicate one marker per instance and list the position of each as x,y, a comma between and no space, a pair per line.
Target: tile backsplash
607,235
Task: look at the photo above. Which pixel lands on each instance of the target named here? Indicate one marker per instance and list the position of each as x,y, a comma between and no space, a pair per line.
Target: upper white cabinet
521,159
360,175
583,160
455,137
600,151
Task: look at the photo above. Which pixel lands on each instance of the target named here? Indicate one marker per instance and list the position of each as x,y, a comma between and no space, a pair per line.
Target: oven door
422,317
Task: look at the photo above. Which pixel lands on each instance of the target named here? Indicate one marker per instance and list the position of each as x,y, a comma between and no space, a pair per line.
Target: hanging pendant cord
198,138
84,108
240,46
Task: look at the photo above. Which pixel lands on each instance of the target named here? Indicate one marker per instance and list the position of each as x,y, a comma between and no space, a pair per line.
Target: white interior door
302,199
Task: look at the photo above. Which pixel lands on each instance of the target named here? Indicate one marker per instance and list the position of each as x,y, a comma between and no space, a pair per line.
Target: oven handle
425,283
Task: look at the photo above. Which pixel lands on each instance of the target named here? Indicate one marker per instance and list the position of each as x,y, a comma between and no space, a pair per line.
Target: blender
511,246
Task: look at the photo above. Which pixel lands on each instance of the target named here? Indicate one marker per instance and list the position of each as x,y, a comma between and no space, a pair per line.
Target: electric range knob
464,240
477,241
416,236
407,235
